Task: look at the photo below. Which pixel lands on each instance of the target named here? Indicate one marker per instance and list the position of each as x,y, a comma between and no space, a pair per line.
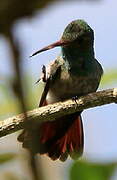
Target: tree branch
53,111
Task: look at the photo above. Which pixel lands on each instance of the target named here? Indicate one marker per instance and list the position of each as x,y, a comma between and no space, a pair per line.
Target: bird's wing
48,76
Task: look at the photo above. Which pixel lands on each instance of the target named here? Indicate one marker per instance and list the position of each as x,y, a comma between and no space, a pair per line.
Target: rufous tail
57,139
62,137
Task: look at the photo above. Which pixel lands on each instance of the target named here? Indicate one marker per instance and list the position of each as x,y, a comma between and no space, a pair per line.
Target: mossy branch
53,111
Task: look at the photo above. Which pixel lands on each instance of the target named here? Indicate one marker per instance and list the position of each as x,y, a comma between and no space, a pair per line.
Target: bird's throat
76,57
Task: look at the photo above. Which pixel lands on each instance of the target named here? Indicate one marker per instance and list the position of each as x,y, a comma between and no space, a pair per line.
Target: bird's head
77,33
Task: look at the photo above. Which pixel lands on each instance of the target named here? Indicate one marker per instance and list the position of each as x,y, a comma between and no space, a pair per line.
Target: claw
43,78
38,81
44,73
75,98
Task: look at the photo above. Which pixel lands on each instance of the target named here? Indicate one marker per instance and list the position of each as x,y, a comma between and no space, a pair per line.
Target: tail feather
62,137
57,139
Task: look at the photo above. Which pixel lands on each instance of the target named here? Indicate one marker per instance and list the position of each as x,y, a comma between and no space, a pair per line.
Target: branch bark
53,111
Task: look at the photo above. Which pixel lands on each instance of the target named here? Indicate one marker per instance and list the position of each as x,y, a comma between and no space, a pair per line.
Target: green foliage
109,77
4,158
82,170
10,176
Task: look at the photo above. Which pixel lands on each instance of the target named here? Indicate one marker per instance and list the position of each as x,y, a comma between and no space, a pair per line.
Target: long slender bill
53,45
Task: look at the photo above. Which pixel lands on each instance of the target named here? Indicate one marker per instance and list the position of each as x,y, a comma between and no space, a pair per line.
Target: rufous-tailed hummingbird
75,73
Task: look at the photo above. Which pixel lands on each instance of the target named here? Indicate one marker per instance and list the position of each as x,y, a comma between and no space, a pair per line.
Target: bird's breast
68,86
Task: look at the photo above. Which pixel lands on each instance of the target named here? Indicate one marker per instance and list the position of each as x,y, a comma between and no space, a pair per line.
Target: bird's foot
75,98
43,77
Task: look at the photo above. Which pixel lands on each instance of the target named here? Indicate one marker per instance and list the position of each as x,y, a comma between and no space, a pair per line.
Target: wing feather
52,72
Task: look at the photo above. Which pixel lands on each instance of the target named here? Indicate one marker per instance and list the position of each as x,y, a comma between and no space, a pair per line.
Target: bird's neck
75,57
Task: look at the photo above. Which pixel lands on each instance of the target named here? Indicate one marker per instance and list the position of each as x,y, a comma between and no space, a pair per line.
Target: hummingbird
74,73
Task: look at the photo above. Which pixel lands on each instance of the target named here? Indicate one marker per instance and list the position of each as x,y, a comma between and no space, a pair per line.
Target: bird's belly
65,89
